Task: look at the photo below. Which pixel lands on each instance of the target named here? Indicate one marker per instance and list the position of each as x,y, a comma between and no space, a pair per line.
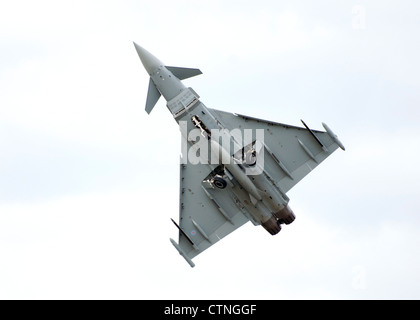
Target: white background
89,181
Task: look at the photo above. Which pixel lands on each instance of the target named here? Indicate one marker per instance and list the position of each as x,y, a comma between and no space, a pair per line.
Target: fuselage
263,200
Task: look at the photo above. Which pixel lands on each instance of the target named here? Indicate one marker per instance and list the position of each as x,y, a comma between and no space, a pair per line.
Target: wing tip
333,136
182,253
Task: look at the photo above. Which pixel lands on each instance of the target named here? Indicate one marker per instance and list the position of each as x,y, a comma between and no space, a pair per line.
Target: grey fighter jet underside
241,167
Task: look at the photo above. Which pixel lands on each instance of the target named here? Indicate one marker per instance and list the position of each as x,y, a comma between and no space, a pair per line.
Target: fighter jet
234,168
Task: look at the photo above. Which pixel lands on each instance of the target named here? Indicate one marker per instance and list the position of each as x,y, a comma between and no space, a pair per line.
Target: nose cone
150,62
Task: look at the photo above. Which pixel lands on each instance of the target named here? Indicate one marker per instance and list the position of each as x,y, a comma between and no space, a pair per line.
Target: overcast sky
89,181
